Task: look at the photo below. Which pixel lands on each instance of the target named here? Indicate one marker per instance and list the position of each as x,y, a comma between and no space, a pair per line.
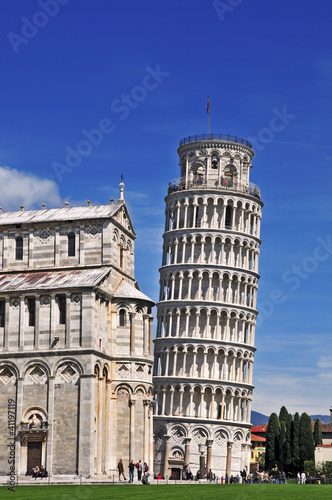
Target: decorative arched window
228,219
71,245
122,317
19,248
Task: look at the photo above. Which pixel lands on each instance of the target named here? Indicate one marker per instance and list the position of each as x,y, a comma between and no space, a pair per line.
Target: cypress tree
272,440
318,438
283,414
288,450
282,440
284,444
295,443
307,447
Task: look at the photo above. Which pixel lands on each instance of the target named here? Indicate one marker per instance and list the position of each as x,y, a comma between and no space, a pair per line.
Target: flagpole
208,110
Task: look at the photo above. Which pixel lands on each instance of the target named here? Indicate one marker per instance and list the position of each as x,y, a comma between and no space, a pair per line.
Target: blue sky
67,66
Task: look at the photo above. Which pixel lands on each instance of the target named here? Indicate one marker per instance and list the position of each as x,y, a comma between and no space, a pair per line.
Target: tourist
139,468
121,470
131,468
35,472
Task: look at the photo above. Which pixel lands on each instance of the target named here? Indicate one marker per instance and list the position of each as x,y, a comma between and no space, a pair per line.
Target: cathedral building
204,349
75,341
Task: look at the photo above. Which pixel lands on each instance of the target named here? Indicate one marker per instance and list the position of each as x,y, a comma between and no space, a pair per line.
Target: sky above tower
91,90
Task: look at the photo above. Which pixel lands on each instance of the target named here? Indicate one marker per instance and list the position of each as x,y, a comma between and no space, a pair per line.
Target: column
52,318
210,287
222,409
190,278
170,318
177,313
181,402
132,429
199,287
180,286
150,336
176,244
151,437
193,369
177,216
132,333
146,430
187,323
240,378
192,250
225,374
209,453
163,401
145,335
37,321
233,376
30,249
204,215
22,324
227,328
166,457
190,407
229,459
174,363
194,215
172,287
222,222
6,329
183,249
197,324
68,320
56,247
19,410
5,250
86,424
167,363
185,214
213,412
81,246
187,450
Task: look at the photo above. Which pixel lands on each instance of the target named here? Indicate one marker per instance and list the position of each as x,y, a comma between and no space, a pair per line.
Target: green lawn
182,492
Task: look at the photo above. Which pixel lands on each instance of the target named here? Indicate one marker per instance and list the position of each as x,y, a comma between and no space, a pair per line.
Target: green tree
295,442
318,438
307,447
282,440
287,452
272,440
283,414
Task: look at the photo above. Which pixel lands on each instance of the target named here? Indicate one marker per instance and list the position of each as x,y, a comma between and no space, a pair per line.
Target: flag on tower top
208,106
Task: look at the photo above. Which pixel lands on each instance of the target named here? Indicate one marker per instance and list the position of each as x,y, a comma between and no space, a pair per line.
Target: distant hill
260,419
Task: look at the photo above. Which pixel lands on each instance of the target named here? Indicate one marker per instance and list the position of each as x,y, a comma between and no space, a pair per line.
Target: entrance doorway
175,474
34,454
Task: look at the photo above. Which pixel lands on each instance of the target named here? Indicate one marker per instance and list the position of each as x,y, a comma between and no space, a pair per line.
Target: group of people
39,472
141,469
276,476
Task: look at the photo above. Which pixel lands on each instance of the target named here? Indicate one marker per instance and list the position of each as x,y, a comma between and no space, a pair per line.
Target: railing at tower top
198,183
221,137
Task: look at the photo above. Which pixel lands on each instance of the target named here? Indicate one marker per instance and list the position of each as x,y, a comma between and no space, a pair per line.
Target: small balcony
201,184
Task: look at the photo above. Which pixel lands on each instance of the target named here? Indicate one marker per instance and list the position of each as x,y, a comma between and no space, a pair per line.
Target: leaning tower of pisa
204,350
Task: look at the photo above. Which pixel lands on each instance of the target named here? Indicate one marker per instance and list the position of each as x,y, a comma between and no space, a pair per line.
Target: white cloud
23,188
